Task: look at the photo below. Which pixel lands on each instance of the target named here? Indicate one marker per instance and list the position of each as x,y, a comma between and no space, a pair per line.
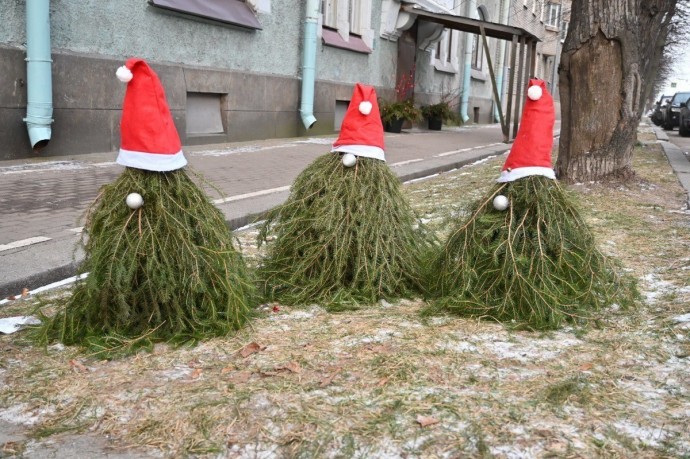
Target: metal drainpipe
309,63
467,74
39,88
505,19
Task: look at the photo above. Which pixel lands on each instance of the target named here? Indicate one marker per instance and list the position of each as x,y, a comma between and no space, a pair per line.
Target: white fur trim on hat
365,107
367,151
151,161
534,92
520,172
124,74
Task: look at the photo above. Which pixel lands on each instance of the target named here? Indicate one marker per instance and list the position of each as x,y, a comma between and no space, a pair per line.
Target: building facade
235,70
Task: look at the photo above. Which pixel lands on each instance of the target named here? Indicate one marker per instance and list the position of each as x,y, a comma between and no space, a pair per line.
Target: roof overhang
465,24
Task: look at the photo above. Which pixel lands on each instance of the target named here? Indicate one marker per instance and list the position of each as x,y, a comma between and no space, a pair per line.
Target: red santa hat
531,150
362,131
148,137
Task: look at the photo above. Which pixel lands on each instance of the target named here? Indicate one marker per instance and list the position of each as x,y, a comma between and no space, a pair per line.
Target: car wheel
667,126
683,130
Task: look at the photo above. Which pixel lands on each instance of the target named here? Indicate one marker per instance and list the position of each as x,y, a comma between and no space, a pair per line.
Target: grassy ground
383,382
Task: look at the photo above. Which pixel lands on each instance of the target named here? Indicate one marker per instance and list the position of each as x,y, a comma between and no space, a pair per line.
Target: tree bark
608,64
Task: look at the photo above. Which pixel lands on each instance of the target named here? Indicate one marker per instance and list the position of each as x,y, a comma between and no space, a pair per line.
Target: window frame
444,57
232,12
554,10
351,20
477,47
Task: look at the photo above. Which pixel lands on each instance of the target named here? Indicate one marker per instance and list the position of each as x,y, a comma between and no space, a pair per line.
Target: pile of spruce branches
166,271
345,236
535,264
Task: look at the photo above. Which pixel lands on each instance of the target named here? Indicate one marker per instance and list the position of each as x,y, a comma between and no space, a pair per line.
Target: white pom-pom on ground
365,107
124,74
349,160
501,202
534,92
134,201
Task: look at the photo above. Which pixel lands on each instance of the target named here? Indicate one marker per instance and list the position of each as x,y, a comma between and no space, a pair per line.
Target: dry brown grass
362,383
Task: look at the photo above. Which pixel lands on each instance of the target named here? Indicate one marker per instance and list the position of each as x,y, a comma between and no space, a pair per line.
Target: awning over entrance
519,75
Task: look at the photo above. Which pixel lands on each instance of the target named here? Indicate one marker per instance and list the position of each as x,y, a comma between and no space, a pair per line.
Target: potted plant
437,113
394,114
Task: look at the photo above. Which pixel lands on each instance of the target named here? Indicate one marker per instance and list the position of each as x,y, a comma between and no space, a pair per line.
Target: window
347,24
564,30
541,11
553,11
477,46
444,58
355,16
233,12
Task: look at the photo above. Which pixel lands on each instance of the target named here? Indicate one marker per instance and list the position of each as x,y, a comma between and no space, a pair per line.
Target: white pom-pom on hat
534,92
365,107
134,201
349,159
124,74
501,202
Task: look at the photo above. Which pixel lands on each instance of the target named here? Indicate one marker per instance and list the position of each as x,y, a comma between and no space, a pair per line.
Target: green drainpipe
309,63
39,109
467,74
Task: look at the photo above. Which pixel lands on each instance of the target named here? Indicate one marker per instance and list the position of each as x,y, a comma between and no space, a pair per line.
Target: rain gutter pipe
39,88
467,74
505,19
309,63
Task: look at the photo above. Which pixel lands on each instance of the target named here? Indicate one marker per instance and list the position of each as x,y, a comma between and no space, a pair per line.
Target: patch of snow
257,450
685,318
57,347
176,372
296,315
439,320
651,436
656,288
380,336
512,351
462,346
20,414
515,452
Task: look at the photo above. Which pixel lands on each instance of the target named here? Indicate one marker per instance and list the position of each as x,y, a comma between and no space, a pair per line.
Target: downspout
39,88
505,19
309,63
467,74
557,58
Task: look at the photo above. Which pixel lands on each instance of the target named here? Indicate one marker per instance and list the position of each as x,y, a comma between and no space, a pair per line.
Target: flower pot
394,125
435,123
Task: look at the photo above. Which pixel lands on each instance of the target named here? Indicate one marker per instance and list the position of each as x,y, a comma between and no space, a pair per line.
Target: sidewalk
678,161
42,200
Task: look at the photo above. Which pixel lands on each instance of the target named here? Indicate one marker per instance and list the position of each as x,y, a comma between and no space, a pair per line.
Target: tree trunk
608,64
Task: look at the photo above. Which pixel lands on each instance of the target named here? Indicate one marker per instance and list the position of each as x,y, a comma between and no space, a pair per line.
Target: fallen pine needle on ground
385,382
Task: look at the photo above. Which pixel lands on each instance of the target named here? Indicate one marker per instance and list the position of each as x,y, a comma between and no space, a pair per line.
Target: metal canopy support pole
533,62
513,51
519,91
487,53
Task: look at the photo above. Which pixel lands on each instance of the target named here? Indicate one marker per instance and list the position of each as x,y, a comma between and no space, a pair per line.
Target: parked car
672,110
657,115
684,119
